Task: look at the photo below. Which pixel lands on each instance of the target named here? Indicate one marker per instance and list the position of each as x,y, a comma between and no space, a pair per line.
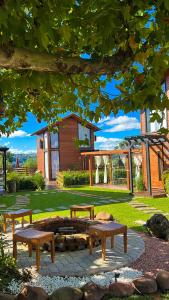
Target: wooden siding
154,150
40,156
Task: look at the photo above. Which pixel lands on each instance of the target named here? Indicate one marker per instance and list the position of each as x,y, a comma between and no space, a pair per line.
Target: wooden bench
75,208
13,215
105,230
34,238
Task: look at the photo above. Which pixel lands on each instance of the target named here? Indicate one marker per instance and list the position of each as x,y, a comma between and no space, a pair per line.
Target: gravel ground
155,257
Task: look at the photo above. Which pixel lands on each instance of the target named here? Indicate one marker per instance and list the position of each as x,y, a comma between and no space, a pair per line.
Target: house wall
154,153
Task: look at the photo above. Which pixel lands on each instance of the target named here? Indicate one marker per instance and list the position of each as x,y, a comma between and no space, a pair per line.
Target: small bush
165,178
8,267
139,184
38,181
69,178
24,182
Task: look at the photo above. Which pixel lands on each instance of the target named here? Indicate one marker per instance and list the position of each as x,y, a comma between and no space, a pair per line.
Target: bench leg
22,222
90,244
30,249
71,214
13,226
4,225
103,241
125,241
37,256
14,248
30,219
52,250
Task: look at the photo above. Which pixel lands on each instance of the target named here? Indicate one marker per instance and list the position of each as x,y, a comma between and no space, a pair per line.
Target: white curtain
98,161
138,162
106,161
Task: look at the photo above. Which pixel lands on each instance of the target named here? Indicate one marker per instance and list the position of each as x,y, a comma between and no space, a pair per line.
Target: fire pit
70,234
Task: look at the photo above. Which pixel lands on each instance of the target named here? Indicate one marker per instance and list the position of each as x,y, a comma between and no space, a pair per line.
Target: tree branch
22,59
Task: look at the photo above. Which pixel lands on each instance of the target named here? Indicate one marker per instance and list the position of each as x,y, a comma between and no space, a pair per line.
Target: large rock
7,297
145,285
158,225
66,293
104,216
162,279
121,289
92,291
32,293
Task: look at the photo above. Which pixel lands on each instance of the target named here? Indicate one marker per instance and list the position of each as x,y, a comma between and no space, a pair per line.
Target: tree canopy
58,56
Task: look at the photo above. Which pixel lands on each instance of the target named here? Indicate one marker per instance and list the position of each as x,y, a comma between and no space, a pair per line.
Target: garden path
80,263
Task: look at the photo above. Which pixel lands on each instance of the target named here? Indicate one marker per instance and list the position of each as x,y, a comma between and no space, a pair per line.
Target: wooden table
34,238
13,215
103,231
75,208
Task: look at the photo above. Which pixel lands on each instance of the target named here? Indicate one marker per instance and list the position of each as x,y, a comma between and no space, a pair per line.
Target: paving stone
49,209
140,222
62,207
2,205
36,211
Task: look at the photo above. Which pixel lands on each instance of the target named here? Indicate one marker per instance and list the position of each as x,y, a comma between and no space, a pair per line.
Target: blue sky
113,130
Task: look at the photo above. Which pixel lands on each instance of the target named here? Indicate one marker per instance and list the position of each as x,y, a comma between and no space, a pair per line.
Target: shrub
24,182
39,181
139,184
165,178
69,178
30,163
8,267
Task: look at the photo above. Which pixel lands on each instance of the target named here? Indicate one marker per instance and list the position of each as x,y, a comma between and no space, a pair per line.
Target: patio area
81,263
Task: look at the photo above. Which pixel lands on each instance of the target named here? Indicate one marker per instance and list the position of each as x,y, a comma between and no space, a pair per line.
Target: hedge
165,178
24,182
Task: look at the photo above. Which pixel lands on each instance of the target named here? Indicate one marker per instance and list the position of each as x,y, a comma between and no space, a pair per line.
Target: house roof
74,116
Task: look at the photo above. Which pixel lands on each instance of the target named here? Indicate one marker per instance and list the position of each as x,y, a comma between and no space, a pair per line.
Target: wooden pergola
127,152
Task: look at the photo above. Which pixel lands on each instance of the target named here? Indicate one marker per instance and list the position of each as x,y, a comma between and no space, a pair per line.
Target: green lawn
122,212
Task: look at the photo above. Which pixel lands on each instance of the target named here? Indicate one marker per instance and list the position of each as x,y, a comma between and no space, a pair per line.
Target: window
54,140
54,163
155,126
84,134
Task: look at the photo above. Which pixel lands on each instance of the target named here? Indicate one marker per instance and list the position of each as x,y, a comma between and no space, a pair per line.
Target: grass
122,212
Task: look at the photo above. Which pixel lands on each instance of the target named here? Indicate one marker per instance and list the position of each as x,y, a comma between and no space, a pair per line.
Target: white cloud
122,123
103,143
19,151
17,133
103,120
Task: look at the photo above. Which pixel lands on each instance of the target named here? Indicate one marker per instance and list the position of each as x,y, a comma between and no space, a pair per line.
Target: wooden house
61,149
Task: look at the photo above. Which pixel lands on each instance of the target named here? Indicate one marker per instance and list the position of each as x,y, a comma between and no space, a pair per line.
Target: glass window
46,140
55,163
54,139
84,134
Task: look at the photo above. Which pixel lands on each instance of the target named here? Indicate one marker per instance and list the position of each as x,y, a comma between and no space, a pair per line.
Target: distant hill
21,157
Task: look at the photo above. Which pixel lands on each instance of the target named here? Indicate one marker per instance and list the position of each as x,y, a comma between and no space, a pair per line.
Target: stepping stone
37,211
44,193
152,212
2,205
140,222
62,207
49,209
114,201
36,194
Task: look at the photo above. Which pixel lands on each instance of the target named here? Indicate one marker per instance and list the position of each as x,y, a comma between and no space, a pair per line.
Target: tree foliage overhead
57,56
